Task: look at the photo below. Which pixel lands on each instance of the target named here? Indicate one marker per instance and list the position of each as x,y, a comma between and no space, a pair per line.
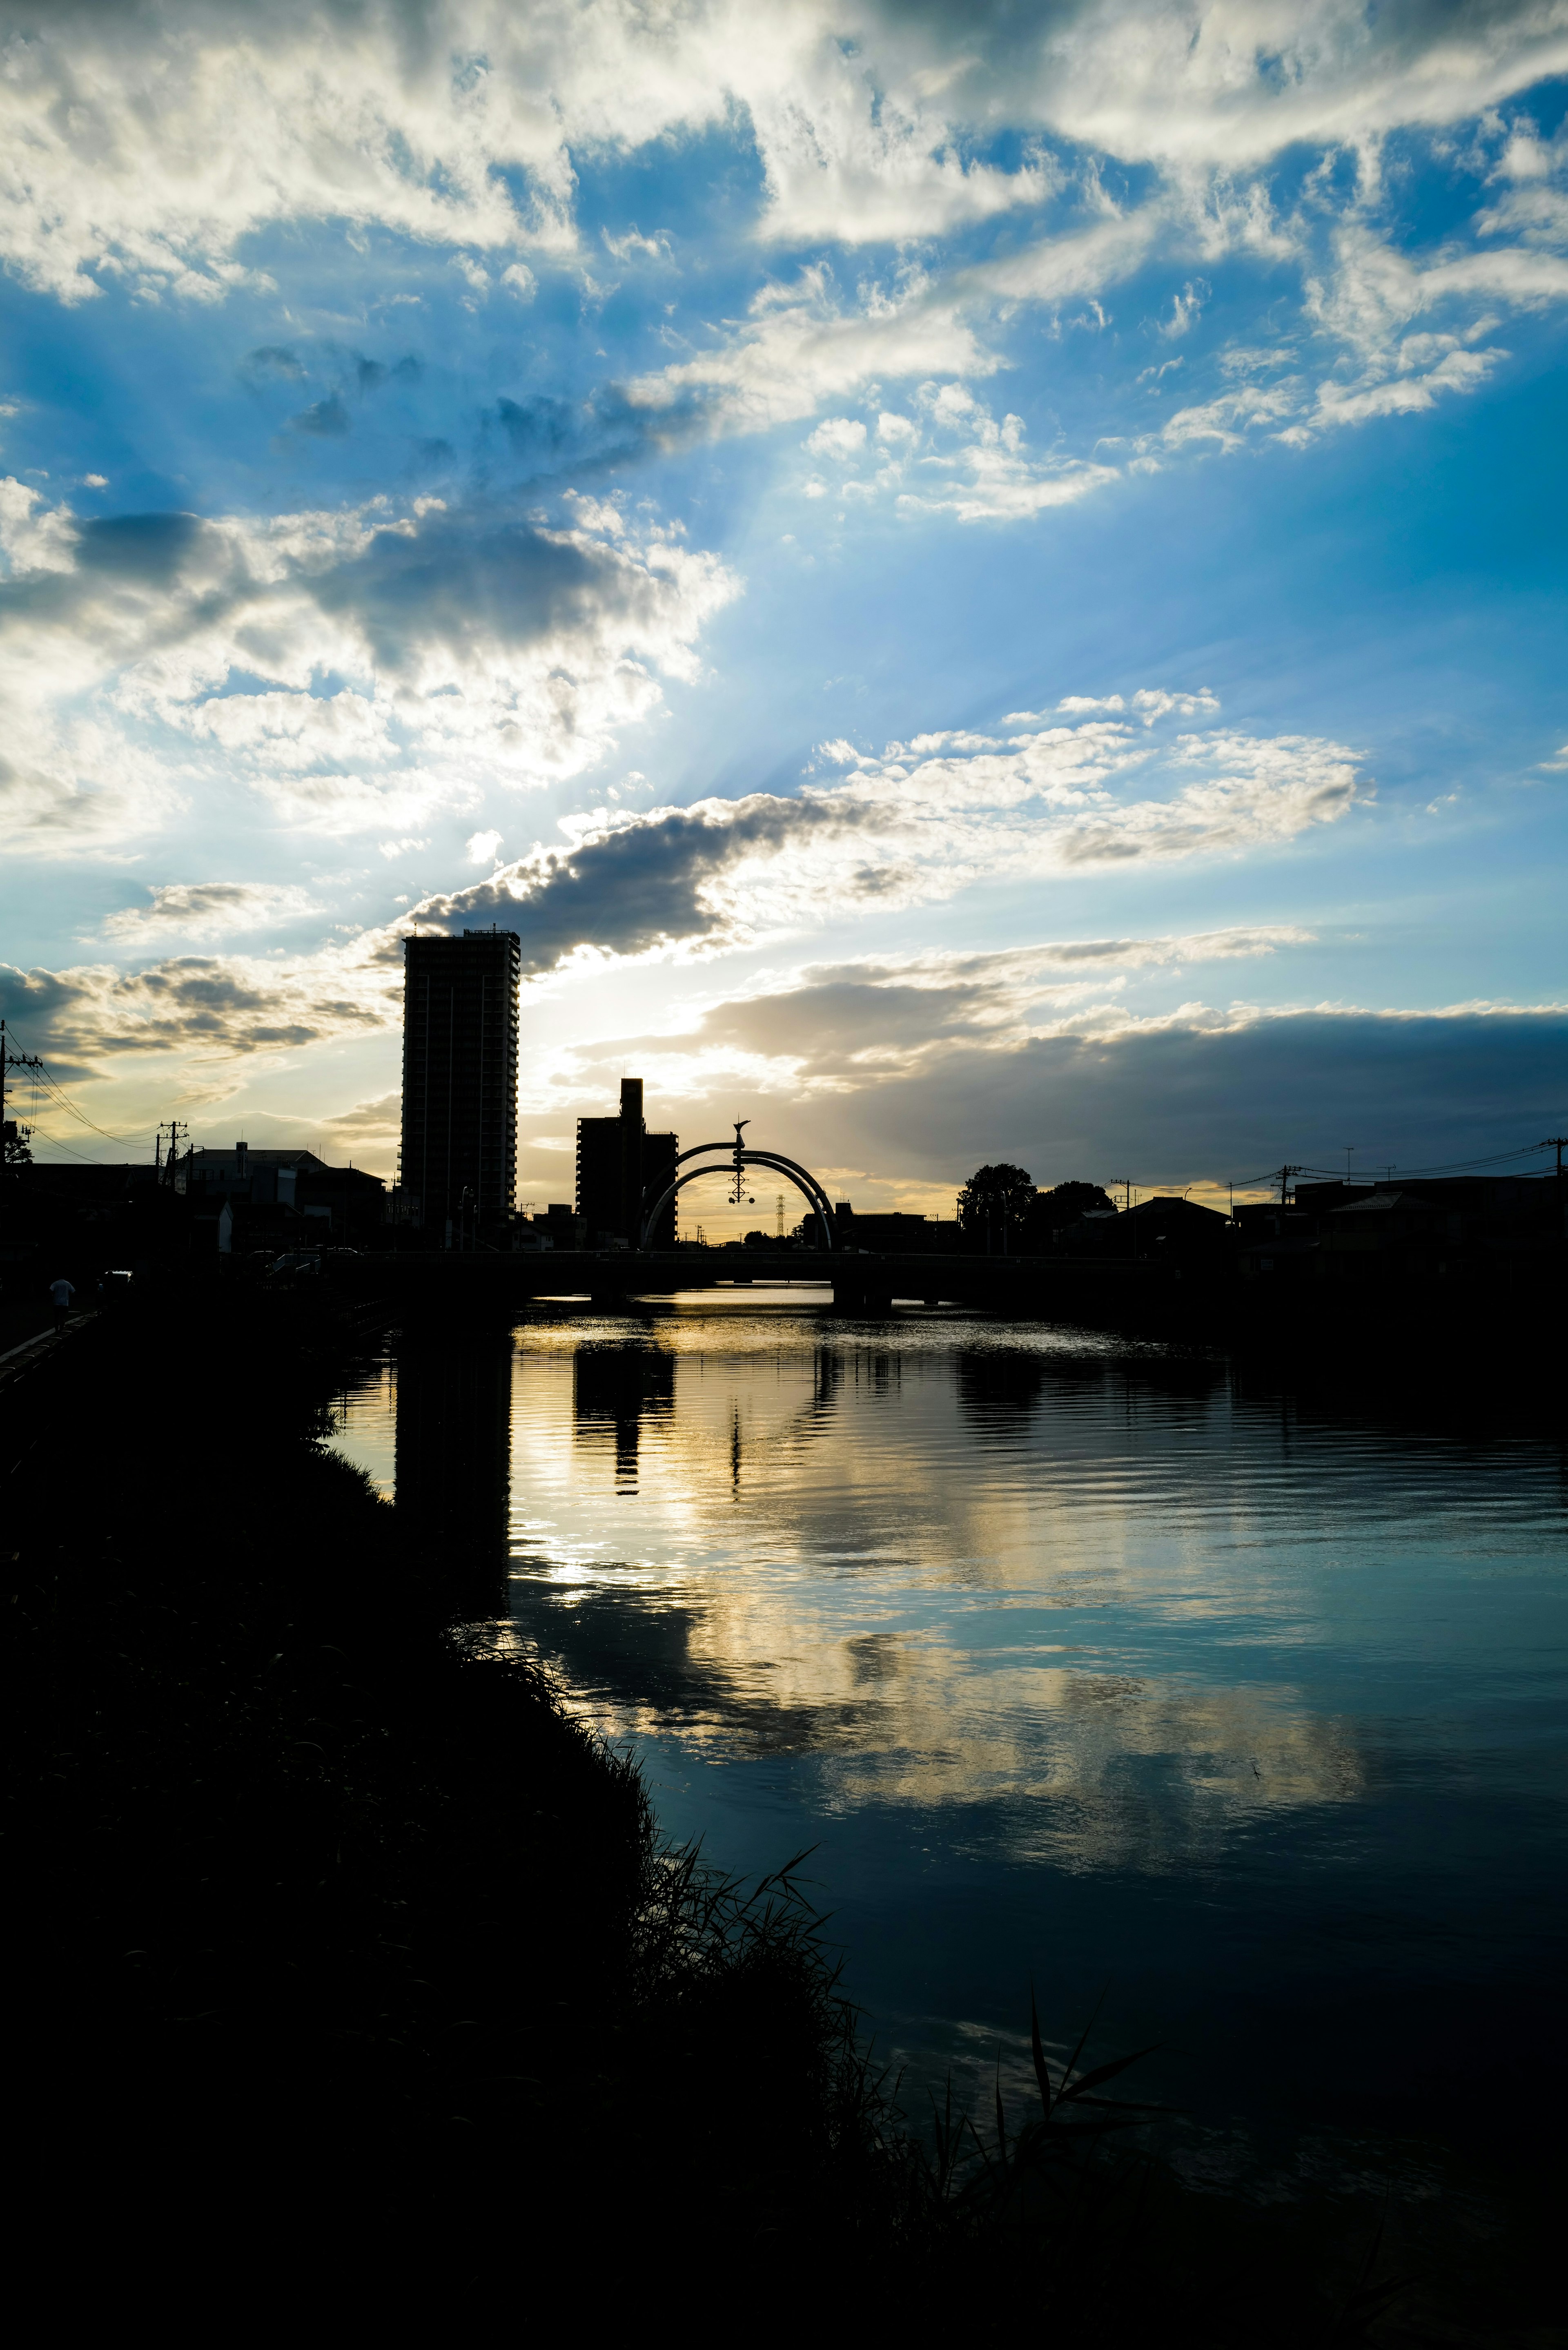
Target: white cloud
1053,801
1152,702
956,459
1205,86
1532,173
633,247
144,149
992,478
170,654
208,910
1404,395
852,153
799,349
1369,300
1185,310
482,848
33,536
475,274
843,437
1227,420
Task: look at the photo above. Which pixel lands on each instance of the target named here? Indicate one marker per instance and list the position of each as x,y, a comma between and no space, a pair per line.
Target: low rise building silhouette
618,1162
898,1230
242,1199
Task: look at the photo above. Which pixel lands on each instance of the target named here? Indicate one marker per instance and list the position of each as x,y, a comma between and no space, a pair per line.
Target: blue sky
973,583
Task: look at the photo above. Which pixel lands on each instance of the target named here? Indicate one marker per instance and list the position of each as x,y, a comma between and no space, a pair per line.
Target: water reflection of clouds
823,1543
1073,1597
1080,1764
1102,1771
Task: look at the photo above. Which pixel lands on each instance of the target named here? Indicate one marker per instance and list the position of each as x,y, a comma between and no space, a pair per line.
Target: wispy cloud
202,909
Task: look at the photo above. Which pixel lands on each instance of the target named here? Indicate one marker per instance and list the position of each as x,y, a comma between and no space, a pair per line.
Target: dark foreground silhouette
351,1967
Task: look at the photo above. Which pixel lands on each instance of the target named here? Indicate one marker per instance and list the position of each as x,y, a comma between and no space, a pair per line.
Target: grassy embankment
340,1943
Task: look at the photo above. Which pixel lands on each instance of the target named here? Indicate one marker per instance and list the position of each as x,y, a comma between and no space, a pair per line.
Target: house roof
1166,1203
306,1159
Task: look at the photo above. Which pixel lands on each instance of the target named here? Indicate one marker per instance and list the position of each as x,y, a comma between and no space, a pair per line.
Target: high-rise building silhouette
459,1170
453,1462
618,1159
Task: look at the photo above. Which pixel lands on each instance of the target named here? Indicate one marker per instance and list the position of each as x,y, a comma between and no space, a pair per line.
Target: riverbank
338,1937
317,1904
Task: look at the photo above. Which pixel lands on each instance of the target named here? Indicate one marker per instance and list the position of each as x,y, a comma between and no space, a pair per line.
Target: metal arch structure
805,1183
736,1158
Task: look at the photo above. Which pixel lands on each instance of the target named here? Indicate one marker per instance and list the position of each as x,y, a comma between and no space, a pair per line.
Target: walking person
62,1292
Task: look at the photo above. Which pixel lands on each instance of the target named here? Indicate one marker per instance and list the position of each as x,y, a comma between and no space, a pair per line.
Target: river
1115,1668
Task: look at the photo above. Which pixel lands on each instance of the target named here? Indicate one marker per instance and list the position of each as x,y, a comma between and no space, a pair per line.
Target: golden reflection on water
1023,1577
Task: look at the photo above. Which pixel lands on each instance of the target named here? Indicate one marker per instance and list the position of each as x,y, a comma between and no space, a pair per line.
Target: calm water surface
1075,1660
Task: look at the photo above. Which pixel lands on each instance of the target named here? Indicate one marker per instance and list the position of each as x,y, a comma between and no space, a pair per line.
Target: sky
975,582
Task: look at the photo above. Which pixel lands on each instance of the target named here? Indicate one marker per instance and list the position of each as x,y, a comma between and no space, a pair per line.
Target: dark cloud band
643,886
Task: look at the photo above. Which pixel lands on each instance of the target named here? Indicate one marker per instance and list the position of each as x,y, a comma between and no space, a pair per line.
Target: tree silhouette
996,1199
1064,1201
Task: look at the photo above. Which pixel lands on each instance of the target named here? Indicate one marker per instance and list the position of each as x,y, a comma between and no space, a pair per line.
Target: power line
125,1141
1447,1167
1454,1166
55,1142
32,1063
58,1091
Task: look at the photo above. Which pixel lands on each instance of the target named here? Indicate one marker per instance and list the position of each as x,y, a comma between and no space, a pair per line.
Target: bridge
438,1285
857,1281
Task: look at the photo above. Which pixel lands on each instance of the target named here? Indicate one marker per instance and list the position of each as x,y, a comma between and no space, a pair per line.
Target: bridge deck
854,1277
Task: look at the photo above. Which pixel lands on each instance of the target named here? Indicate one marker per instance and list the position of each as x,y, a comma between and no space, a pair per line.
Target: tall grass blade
1041,2071
1082,2039
1103,2073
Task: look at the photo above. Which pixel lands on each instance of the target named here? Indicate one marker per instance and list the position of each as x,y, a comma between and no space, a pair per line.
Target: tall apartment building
618,1159
458,1168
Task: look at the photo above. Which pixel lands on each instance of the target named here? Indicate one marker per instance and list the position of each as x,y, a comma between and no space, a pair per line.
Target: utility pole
1285,1173
1557,1142
175,1131
10,1060
1348,1148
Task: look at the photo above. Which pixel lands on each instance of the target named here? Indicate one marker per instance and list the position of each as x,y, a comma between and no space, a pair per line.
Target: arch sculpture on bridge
734,1158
